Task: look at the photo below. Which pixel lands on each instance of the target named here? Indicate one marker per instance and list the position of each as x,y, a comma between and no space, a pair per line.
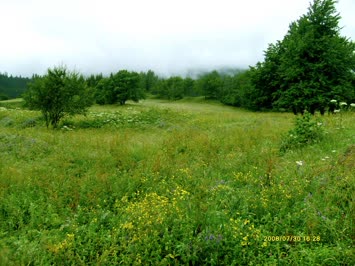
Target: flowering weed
185,183
307,130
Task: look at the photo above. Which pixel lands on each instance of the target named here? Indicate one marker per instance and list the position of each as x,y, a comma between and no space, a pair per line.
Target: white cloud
167,36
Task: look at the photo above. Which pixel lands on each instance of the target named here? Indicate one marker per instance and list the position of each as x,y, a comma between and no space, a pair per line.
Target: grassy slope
173,182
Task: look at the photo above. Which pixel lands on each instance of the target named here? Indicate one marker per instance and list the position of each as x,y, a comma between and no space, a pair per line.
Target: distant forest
310,69
149,82
12,87
255,88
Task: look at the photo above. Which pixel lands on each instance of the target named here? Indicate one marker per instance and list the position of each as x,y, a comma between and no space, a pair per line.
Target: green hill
174,183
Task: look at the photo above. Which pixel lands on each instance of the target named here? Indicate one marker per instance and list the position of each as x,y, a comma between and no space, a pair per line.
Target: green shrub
307,130
57,94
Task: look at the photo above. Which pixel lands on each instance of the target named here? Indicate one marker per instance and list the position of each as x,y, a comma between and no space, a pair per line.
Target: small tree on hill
127,87
58,93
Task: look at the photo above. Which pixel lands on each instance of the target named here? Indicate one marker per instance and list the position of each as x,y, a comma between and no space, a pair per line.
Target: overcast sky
167,36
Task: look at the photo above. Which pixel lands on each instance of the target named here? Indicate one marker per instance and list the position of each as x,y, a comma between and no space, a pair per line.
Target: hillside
169,183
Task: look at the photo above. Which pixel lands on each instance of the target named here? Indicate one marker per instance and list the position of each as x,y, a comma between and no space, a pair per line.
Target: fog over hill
169,37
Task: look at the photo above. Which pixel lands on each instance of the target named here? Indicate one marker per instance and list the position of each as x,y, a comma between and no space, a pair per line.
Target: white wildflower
337,111
333,101
352,105
343,104
299,163
66,128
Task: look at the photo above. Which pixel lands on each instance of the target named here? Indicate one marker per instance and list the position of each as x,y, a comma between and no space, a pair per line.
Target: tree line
12,86
125,85
308,69
63,92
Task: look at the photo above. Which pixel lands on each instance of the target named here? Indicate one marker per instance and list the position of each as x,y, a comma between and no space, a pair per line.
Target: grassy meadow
190,182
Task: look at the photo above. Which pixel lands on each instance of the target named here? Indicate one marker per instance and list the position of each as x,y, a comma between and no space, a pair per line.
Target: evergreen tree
189,87
148,80
93,80
12,87
310,66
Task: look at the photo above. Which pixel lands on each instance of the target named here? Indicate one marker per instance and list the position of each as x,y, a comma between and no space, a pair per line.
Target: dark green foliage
58,93
264,77
12,87
103,91
171,88
210,85
93,80
227,85
175,88
118,88
127,86
189,87
236,89
160,88
306,131
310,66
3,97
148,80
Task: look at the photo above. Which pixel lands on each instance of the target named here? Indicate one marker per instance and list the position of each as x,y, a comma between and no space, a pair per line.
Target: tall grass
174,183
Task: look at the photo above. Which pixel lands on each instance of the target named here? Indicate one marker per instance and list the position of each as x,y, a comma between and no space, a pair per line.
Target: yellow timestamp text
292,238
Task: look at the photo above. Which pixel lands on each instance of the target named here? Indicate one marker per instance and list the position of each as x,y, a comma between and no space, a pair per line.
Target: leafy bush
306,131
